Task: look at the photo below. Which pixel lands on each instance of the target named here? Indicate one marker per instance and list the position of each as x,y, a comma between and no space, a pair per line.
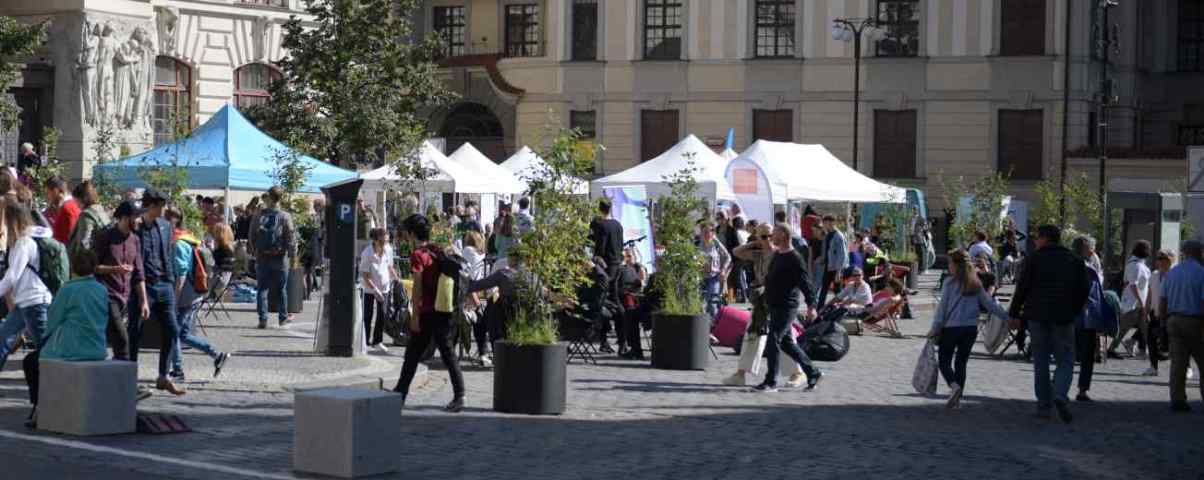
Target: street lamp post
846,29
1108,41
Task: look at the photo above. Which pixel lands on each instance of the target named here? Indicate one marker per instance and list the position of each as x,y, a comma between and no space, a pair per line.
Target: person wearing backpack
195,262
91,219
159,278
30,295
119,253
273,243
430,324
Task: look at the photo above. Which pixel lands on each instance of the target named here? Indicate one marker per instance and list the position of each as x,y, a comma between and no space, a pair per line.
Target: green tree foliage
290,172
357,85
102,152
680,265
986,199
554,253
52,168
17,41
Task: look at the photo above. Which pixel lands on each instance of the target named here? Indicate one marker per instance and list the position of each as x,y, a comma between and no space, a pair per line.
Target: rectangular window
1191,36
895,144
775,28
1022,28
1021,144
585,122
662,29
658,132
450,25
773,125
1191,128
585,30
270,3
522,31
901,20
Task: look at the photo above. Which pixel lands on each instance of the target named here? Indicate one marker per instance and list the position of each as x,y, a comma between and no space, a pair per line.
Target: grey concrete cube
87,398
347,432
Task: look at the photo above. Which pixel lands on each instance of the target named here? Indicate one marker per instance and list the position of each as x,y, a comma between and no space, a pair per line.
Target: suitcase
730,325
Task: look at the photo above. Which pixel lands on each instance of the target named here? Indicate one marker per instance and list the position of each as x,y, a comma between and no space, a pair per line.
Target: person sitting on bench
75,327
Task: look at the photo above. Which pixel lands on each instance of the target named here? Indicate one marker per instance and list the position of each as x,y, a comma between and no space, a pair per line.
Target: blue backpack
269,233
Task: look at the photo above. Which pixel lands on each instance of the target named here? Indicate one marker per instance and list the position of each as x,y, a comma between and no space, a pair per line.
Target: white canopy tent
795,171
449,177
503,181
709,173
525,163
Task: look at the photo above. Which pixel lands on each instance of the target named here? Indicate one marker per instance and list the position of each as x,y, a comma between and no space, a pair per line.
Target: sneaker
220,362
813,381
1150,372
285,322
714,340
736,380
262,324
1063,410
456,405
165,384
765,388
176,376
796,380
1082,397
486,361
380,347
955,398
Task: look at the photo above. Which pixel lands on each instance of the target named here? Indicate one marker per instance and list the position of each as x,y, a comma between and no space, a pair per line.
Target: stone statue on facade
167,19
144,78
262,31
128,57
86,70
106,53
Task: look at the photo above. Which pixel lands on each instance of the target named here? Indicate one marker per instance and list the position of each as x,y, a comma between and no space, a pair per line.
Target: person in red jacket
63,211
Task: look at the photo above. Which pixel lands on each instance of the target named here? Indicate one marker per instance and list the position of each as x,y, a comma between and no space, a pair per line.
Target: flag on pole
731,139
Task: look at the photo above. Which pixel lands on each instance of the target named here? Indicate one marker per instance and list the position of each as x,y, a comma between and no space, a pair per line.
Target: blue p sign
346,213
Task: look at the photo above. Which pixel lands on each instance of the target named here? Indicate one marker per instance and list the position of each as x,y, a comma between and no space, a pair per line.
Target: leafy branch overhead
357,86
17,42
680,265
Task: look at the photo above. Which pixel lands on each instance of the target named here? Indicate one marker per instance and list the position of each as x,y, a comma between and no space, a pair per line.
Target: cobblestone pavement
630,421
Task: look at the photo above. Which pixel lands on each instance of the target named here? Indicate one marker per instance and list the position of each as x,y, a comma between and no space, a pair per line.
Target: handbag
926,372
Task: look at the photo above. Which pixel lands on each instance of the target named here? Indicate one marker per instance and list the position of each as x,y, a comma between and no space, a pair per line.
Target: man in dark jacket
787,278
1050,293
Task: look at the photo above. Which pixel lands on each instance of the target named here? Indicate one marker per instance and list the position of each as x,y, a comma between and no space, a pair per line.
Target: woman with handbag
955,324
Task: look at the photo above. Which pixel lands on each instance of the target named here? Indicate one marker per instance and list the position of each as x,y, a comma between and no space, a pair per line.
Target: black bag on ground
826,341
398,319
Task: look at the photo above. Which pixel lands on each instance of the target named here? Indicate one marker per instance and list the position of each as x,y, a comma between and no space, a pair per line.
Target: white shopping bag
924,378
750,353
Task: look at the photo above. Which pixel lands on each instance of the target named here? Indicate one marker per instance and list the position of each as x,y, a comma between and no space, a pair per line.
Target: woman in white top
378,272
474,252
1134,305
1163,261
30,297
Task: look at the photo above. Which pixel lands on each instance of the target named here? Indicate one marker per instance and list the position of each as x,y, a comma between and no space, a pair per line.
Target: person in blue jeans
274,245
716,262
30,297
189,301
955,324
1052,290
159,278
786,279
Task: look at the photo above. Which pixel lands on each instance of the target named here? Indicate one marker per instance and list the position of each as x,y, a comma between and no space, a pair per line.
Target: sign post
340,313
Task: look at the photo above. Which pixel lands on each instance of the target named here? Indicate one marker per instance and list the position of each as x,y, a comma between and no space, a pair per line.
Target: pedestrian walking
376,267
1050,293
119,254
429,325
1134,300
834,259
189,257
63,210
1091,321
273,241
1163,261
955,325
91,219
1183,300
159,278
30,296
786,279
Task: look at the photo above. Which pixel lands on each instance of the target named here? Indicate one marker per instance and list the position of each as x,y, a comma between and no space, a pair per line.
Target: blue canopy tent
226,153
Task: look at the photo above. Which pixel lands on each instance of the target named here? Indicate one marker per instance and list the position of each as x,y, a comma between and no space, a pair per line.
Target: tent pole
226,209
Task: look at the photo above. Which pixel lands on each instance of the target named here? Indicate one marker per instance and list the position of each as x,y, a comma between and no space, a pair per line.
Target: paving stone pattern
626,420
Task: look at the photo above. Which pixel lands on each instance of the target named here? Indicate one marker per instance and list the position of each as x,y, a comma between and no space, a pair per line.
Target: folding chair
215,299
580,334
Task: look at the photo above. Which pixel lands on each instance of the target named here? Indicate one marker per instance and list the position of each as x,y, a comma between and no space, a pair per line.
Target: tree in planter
680,265
554,253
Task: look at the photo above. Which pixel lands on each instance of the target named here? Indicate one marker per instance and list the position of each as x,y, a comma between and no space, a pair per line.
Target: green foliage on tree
680,266
357,85
102,153
289,172
986,201
17,41
895,230
171,179
554,255
52,168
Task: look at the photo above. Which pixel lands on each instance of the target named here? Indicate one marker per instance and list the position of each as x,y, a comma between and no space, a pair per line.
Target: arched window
173,99
251,84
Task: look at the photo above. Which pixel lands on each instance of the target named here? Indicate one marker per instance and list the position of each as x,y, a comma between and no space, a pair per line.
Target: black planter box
529,379
681,342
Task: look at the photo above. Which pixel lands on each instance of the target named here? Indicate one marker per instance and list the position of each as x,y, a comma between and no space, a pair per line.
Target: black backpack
825,340
457,268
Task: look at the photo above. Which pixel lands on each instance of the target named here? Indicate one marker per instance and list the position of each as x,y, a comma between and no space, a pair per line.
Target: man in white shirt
856,293
980,246
1134,299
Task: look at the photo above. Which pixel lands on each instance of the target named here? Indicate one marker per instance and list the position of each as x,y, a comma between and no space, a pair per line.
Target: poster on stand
630,206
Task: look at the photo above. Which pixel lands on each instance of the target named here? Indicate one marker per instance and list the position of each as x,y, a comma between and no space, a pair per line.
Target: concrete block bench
347,432
87,398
